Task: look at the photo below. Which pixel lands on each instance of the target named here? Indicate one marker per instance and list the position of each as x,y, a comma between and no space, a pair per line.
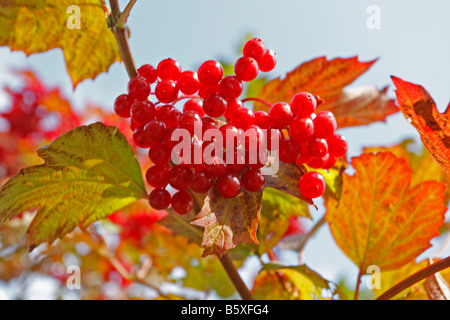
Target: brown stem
310,234
416,277
122,40
358,281
234,276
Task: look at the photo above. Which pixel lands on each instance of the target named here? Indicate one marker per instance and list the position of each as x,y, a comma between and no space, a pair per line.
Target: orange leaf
327,79
419,108
228,222
381,219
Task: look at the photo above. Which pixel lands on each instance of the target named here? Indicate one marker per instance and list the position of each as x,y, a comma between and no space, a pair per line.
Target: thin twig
310,234
120,25
234,276
416,277
358,282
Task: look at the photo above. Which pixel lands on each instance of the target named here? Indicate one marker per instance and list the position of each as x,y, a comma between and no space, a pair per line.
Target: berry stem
120,25
234,276
416,277
122,39
257,100
310,234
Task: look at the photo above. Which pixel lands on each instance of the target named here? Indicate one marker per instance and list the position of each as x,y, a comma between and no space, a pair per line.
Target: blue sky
412,44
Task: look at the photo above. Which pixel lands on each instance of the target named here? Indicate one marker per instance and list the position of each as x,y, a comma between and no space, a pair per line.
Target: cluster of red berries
213,102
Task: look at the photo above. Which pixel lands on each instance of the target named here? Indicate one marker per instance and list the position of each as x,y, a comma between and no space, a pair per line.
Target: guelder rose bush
201,169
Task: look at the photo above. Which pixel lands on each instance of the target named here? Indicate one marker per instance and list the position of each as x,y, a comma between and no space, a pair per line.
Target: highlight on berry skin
201,135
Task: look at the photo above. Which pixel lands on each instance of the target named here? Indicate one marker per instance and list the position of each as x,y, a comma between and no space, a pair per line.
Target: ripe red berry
201,182
272,137
216,167
262,119
214,105
254,139
157,176
256,160
312,185
252,180
232,107
246,69
330,163
317,147
338,145
230,87
140,138
188,121
303,104
243,118
160,153
142,112
148,72
228,185
254,48
169,69
228,132
210,72
319,163
236,163
182,202
325,124
180,177
122,106
160,199
206,90
301,129
166,91
138,88
188,82
208,123
155,130
268,61
289,151
305,157
280,115
194,104
169,115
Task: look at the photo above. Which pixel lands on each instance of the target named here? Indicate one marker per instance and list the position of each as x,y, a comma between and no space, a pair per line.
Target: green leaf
282,204
277,282
87,174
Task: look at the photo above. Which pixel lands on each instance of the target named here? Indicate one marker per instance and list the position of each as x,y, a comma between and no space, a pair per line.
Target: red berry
157,176
228,185
304,155
252,180
188,121
232,107
319,163
148,72
210,72
312,185
268,61
338,145
166,91
160,153
216,167
201,182
272,136
168,138
214,105
208,123
169,115
330,163
256,160
142,112
229,131
254,139
194,104
155,130
230,87
254,48
317,147
236,163
246,69
301,129
206,90
182,202
324,125
188,82
140,138
289,151
280,115
303,104
180,177
243,118
160,199
138,88
169,69
122,106
262,119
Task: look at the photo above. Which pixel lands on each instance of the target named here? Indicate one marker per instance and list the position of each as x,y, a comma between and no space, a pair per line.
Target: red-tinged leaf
382,219
327,79
420,110
228,222
360,106
286,180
